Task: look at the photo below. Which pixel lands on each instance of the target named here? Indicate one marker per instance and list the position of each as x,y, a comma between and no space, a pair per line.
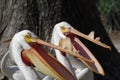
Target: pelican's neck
16,48
56,37
7,70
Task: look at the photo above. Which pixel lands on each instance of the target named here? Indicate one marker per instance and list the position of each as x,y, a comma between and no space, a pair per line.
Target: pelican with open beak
65,35
26,51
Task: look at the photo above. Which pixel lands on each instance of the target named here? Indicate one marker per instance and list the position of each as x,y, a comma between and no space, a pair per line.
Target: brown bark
12,19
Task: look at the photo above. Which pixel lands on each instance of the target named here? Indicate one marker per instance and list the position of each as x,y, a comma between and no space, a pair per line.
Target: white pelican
25,51
65,35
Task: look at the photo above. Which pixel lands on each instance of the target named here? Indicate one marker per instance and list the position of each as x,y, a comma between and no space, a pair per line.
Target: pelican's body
13,72
8,71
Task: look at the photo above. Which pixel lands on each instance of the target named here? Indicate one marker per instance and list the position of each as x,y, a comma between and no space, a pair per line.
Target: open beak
39,41
84,51
45,62
74,31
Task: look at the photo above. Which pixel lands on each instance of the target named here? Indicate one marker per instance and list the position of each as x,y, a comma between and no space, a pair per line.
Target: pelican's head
61,28
19,42
59,31
20,39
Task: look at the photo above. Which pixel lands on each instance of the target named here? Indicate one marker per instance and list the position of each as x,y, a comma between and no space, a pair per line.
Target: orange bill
45,62
74,31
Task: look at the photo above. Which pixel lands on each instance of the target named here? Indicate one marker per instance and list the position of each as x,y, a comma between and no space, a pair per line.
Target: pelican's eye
63,29
29,34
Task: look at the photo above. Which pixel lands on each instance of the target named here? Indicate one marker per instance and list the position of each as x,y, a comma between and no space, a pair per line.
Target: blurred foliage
109,6
110,13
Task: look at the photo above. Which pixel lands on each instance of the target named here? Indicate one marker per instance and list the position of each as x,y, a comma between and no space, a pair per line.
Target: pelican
25,50
65,35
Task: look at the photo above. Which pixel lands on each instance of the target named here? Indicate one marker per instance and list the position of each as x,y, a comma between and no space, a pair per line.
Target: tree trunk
40,16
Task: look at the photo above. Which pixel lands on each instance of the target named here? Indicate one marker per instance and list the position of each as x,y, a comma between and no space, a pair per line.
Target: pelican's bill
39,41
85,52
47,64
74,31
